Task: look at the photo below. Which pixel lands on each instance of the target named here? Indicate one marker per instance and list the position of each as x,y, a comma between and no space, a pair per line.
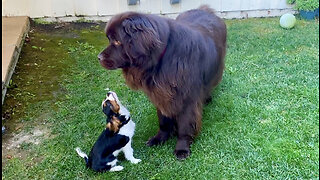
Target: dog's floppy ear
110,107
114,124
142,35
106,108
114,106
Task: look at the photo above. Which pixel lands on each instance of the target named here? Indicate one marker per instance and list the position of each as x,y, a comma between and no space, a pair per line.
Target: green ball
287,21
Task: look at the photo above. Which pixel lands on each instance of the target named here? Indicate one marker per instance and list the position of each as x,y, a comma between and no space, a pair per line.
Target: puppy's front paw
116,168
135,161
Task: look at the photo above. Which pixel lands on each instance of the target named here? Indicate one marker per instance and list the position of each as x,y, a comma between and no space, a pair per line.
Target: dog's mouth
107,64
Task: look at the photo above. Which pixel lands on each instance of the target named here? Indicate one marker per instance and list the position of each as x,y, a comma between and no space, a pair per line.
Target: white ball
287,21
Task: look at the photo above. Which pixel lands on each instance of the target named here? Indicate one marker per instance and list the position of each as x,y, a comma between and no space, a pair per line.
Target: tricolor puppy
114,139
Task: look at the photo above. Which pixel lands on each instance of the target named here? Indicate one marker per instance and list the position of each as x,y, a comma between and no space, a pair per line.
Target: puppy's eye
117,43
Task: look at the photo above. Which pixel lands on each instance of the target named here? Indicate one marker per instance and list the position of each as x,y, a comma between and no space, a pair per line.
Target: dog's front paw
135,161
153,141
116,168
182,154
158,139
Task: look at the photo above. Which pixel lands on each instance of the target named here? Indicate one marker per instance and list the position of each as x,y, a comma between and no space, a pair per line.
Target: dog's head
132,38
110,105
117,115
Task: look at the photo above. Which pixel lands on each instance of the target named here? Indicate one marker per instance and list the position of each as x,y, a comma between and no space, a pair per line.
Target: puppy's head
117,115
132,36
110,105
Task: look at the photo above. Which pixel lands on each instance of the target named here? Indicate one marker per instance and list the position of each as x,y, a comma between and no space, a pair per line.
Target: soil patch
34,90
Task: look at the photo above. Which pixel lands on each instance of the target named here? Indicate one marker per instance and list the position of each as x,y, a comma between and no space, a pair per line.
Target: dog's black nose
99,57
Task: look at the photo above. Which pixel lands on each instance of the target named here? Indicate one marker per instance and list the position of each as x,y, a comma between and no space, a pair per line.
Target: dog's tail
207,8
82,154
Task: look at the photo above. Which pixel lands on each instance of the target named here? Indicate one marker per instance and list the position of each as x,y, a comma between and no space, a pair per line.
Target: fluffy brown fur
175,62
114,124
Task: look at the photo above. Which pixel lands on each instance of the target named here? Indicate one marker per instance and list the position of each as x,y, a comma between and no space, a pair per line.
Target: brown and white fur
116,138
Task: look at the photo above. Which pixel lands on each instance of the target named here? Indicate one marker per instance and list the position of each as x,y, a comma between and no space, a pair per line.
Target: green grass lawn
263,122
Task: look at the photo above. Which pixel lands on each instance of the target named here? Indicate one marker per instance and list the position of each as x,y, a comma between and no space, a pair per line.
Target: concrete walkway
14,30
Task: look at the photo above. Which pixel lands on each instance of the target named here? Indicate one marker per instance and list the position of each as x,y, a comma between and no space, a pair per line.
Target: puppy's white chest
128,129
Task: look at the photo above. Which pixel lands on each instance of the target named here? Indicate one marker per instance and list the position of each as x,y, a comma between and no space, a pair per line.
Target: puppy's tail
82,154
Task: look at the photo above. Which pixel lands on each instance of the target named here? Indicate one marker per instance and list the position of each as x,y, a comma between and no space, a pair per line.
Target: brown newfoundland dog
176,63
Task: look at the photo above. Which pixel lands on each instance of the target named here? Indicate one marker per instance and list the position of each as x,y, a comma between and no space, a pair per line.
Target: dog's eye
117,43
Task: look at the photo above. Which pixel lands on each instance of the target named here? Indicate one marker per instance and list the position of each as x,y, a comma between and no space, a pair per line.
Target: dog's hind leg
116,168
113,165
128,153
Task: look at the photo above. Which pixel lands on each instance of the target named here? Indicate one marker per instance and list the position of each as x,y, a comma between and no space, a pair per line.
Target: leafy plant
307,5
41,21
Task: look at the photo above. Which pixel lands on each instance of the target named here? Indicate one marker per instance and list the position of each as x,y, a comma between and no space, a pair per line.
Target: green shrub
307,5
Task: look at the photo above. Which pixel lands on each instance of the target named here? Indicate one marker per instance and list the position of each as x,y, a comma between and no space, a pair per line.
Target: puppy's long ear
142,35
115,106
110,107
106,108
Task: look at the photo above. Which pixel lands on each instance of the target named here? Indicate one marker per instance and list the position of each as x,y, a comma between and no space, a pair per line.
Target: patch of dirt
19,145
36,87
33,137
